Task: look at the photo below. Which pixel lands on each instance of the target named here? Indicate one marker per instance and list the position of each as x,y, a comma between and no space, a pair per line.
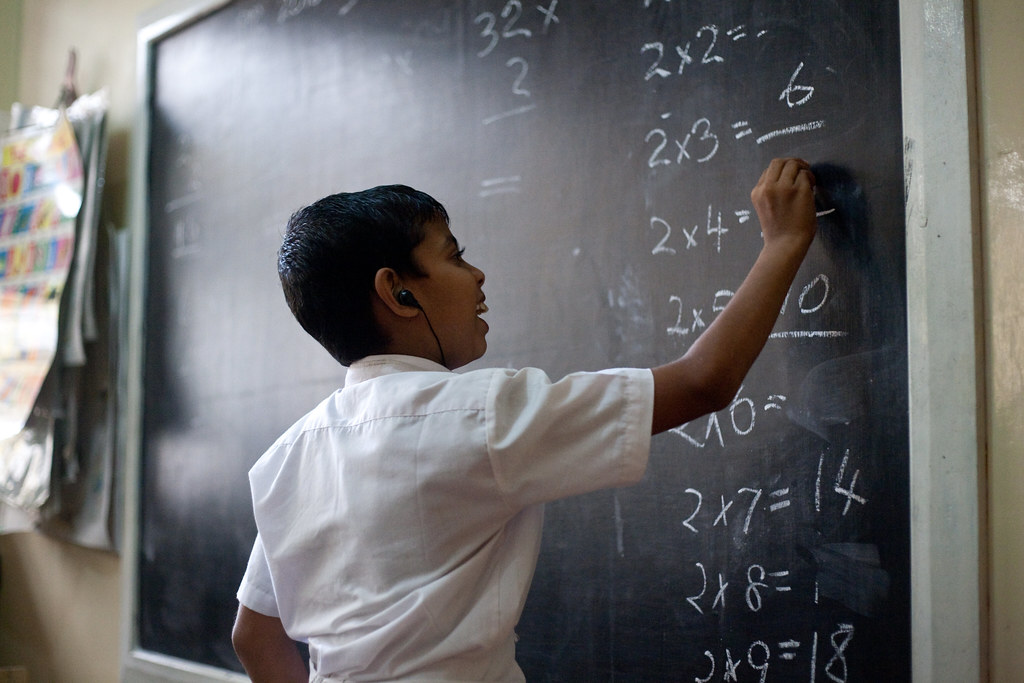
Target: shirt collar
387,364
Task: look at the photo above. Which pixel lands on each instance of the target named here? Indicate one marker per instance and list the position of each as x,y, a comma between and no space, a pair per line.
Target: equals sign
507,185
747,130
782,503
789,645
737,32
780,575
743,215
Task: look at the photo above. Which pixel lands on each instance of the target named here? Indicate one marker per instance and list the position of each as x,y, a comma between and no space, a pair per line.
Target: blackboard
597,161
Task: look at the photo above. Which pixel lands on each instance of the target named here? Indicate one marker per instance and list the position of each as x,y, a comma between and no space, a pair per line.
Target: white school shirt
399,522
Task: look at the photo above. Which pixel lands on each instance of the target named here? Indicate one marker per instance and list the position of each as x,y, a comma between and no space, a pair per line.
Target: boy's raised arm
708,375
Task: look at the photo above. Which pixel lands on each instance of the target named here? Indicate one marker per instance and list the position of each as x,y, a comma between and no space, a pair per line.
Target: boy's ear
387,285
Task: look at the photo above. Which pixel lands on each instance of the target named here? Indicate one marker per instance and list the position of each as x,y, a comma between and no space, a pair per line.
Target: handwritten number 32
511,12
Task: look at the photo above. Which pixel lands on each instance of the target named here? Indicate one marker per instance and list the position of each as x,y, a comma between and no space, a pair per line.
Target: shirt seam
370,420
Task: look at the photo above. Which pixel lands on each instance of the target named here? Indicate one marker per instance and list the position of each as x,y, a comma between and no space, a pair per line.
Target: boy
399,521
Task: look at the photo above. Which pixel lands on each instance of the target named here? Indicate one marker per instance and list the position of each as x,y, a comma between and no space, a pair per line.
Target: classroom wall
10,48
1000,52
60,605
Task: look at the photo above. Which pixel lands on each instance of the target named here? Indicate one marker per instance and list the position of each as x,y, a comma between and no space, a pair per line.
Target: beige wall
10,47
60,605
59,610
1000,54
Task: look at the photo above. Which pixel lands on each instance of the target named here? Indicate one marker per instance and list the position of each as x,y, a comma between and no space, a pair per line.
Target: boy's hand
707,377
784,201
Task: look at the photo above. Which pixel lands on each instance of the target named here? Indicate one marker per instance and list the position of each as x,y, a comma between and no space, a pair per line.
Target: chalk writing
511,24
594,137
759,655
813,298
504,185
714,230
758,662
790,130
187,237
509,113
549,15
757,579
836,668
703,50
840,486
293,8
683,328
521,68
748,498
792,87
721,518
683,134
508,24
699,144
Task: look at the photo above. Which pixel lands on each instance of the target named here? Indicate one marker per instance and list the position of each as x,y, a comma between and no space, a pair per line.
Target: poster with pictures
41,184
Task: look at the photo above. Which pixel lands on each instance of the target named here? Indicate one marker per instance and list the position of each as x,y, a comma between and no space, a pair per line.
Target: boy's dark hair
331,252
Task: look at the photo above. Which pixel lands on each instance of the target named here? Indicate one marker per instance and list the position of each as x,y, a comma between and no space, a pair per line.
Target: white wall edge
943,318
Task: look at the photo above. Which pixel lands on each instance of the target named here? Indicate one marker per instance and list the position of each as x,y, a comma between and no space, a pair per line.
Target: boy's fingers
774,170
791,169
786,171
808,174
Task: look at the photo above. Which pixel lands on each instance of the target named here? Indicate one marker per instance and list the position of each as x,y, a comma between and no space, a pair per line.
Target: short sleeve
257,588
587,431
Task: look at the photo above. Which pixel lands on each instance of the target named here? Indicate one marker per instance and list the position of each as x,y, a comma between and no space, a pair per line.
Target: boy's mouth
481,308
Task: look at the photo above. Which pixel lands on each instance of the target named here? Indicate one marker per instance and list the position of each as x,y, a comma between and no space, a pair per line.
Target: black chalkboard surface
597,160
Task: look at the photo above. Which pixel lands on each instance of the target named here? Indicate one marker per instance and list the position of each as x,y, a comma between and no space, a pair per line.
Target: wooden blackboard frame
138,664
944,309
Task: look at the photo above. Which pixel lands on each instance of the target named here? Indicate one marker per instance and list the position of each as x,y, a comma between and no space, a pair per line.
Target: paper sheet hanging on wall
41,184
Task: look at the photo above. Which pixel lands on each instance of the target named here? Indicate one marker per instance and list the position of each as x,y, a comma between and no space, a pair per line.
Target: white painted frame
139,665
944,341
948,594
